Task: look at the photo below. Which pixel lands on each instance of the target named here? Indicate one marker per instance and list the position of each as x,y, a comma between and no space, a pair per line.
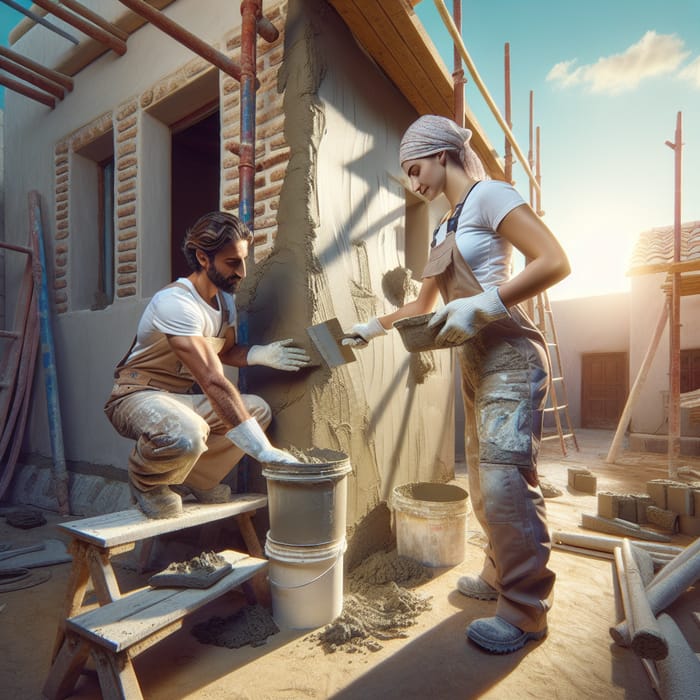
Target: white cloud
691,73
653,55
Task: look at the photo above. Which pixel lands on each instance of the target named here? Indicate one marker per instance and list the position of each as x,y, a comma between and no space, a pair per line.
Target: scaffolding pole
674,409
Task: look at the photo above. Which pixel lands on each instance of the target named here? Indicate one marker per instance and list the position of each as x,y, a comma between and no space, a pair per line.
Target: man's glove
279,355
464,318
361,333
251,438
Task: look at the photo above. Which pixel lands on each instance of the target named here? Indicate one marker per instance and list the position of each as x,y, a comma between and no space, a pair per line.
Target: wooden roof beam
92,30
93,17
31,77
27,91
185,37
52,75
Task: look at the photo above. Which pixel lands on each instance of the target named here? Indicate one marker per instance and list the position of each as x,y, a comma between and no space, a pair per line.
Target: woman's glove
251,438
279,355
464,318
361,333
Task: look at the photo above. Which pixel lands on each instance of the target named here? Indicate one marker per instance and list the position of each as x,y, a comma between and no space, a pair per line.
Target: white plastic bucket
307,502
306,583
430,523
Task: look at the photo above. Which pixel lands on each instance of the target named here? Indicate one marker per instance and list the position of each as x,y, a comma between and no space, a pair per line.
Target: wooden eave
392,35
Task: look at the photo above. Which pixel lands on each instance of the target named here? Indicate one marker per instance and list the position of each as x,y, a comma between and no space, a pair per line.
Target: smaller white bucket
306,583
431,523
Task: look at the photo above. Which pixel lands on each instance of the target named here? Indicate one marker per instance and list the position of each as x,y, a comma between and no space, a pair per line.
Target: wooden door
604,387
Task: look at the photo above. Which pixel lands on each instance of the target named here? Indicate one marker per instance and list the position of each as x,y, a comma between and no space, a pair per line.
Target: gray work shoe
221,493
476,587
496,635
158,502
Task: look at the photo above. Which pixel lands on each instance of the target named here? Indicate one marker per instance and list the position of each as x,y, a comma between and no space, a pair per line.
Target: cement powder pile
375,606
251,625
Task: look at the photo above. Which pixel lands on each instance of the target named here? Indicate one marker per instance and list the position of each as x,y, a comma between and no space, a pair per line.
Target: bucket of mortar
307,502
430,522
306,583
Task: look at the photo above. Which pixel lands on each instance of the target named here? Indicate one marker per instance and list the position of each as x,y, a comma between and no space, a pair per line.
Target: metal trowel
327,338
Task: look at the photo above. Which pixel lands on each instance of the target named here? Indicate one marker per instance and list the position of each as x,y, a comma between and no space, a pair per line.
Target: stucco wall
647,301
329,226
588,325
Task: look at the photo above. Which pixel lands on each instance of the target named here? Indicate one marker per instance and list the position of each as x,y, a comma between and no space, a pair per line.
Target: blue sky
608,77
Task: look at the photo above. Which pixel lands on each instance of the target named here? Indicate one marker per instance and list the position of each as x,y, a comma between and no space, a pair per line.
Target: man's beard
225,284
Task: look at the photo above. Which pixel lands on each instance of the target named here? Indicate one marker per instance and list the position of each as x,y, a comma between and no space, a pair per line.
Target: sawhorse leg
259,582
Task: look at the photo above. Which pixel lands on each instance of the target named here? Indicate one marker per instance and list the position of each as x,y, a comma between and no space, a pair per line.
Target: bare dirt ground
577,660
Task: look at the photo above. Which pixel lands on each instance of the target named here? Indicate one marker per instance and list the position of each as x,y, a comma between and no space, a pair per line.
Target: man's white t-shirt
177,311
489,255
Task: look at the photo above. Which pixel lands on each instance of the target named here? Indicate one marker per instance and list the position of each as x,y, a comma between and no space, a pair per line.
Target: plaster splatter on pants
179,437
504,382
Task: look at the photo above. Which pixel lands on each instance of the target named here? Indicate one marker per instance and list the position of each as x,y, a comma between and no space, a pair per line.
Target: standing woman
504,366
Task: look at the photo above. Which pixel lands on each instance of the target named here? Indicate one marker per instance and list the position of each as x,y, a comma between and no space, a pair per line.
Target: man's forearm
235,356
226,401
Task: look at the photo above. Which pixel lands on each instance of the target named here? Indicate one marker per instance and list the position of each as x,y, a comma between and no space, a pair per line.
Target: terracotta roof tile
656,245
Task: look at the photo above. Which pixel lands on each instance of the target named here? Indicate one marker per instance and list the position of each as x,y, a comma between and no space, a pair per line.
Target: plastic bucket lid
427,499
324,464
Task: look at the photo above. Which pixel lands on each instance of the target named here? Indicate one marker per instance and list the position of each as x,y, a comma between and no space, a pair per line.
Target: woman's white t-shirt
489,255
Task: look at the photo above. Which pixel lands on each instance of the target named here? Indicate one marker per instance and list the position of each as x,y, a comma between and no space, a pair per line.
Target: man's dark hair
212,232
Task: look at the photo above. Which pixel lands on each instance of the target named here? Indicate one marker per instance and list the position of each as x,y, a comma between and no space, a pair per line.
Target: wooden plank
132,525
66,668
376,47
117,676
137,616
11,358
404,48
20,407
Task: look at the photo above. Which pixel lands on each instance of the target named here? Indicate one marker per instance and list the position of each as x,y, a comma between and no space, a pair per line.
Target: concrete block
627,508
572,472
642,500
689,525
607,504
585,482
679,499
657,490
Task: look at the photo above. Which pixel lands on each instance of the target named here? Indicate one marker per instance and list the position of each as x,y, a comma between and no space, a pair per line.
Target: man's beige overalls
504,386
179,437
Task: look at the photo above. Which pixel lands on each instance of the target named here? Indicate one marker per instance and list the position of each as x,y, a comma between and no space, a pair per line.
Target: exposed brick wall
125,181
271,154
62,241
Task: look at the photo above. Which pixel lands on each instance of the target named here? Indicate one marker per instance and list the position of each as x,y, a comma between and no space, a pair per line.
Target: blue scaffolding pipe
48,357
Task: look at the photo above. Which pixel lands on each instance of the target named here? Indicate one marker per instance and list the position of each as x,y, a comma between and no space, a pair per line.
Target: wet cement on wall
321,268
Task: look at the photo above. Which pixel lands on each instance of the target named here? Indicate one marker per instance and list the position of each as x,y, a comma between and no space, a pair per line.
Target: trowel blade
326,337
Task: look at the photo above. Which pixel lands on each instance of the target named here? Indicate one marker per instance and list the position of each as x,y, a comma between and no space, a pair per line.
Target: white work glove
361,333
279,355
251,438
464,318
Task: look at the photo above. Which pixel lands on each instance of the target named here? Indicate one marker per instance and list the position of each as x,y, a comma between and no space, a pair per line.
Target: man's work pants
179,437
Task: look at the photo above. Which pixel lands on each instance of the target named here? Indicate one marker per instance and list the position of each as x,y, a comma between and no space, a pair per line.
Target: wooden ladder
557,405
18,352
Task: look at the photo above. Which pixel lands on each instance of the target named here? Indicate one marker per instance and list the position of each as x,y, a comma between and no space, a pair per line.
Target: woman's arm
547,263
